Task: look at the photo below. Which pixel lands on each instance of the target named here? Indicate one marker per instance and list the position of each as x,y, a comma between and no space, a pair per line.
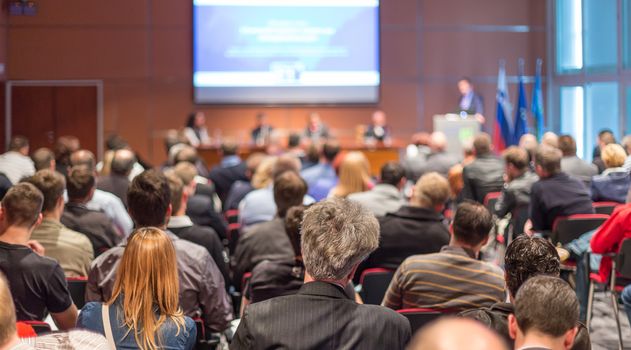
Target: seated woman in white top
196,131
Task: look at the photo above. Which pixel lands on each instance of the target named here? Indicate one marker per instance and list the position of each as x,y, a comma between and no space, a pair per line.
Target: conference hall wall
142,52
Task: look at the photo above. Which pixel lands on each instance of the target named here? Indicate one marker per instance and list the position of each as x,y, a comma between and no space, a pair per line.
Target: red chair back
39,327
605,207
490,199
76,286
420,317
568,228
374,284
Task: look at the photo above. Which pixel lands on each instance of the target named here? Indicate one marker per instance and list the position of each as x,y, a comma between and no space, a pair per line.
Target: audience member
626,143
16,164
5,185
263,130
100,229
294,147
451,333
468,153
439,160
201,284
195,130
545,316
103,201
386,196
515,197
115,143
38,284
456,184
526,257
240,188
485,174
268,240
259,206
555,194
605,137
416,228
230,169
321,178
529,143
626,300
64,147
416,156
378,130
550,139
354,175
572,164
316,130
453,279
186,153
144,302
312,155
117,182
43,158
613,184
71,249
336,236
182,226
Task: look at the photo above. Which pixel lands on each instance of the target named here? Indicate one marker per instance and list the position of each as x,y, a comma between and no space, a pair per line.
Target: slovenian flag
502,133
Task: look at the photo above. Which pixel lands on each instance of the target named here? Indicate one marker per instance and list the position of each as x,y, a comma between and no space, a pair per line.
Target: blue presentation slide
286,51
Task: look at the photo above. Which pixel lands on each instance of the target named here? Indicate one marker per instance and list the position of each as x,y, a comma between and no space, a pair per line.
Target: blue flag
537,102
502,132
521,113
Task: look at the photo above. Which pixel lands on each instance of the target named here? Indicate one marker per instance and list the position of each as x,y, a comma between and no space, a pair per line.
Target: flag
502,131
521,114
537,102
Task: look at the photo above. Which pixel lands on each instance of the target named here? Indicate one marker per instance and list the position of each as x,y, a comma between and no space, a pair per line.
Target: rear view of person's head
8,329
606,137
52,186
354,174
546,306
83,157
472,224
550,139
286,162
613,155
567,145
115,142
147,280
186,154
21,207
452,333
263,175
548,161
123,162
431,191
229,148
43,158
516,160
293,223
80,184
149,199
289,191
392,173
253,161
186,172
482,144
293,141
527,257
176,187
330,150
19,144
64,147
438,141
337,234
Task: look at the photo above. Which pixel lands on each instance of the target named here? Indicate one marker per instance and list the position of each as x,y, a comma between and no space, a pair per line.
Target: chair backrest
568,228
420,317
490,199
605,207
39,327
76,286
623,259
374,284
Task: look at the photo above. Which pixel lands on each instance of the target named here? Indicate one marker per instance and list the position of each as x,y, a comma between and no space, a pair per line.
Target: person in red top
610,235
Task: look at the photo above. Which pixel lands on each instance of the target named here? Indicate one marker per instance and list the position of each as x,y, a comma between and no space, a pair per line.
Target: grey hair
337,234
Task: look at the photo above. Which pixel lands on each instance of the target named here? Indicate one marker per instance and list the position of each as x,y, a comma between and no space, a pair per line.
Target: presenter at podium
263,130
378,131
470,102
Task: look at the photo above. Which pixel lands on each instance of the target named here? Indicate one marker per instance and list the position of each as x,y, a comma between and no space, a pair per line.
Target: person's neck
181,212
75,201
342,283
534,338
16,235
13,341
458,244
54,215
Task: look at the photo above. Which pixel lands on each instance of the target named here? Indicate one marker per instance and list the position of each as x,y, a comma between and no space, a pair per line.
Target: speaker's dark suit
320,316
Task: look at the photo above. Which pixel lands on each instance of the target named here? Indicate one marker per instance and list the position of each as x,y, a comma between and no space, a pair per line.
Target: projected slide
286,51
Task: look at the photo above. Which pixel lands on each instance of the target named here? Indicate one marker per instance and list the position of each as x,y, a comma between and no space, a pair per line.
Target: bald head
550,139
456,334
83,157
438,141
123,162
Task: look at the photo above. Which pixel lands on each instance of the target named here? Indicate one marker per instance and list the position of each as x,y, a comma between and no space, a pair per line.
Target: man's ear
168,213
512,326
40,217
568,338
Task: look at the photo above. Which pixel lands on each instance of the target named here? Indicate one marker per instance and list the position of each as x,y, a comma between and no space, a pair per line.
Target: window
601,111
569,28
572,115
600,34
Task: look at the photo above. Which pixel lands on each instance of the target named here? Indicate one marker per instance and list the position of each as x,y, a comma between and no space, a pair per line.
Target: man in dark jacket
416,228
525,257
230,169
485,174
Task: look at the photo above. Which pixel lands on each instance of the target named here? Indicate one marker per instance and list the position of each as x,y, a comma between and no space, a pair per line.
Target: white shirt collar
179,222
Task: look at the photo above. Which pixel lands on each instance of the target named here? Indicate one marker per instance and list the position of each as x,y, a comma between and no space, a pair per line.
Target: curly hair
527,257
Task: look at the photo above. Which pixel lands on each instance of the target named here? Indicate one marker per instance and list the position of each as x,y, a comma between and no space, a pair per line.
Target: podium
458,129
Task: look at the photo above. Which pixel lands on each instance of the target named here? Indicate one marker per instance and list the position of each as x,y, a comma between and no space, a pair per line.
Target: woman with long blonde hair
143,312
353,174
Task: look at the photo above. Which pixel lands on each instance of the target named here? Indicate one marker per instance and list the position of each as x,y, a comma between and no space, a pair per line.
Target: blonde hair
263,175
613,155
430,190
456,182
108,156
146,279
354,175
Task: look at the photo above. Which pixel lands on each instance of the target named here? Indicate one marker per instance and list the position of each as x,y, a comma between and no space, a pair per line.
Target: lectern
459,130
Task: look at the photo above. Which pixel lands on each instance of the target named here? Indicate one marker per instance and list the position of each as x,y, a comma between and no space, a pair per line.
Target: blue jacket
612,185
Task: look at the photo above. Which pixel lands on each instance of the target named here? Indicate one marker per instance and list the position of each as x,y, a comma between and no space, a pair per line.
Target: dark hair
229,148
289,191
472,223
567,145
293,223
527,257
482,144
467,79
516,156
64,147
190,121
22,204
547,304
392,173
330,150
123,162
18,142
286,162
114,142
79,182
313,154
148,198
51,184
604,132
549,158
176,186
42,158
294,140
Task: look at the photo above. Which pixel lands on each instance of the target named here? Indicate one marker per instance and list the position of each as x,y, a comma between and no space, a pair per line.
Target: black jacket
97,226
223,178
320,316
201,210
483,176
